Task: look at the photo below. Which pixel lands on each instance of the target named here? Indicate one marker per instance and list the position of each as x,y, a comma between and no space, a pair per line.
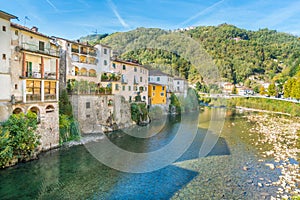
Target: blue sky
74,18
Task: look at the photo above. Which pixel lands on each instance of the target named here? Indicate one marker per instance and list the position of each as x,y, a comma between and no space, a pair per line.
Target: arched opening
36,110
17,111
83,71
92,73
75,71
50,109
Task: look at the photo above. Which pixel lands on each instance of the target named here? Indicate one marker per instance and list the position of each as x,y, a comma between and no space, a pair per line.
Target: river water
233,169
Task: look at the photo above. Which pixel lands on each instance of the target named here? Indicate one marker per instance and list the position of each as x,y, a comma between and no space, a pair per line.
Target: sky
72,19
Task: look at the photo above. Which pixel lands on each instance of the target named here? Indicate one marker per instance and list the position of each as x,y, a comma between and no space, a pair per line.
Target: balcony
92,53
35,48
34,90
110,77
83,50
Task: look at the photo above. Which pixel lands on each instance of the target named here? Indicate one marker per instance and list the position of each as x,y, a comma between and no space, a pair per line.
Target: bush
139,112
18,138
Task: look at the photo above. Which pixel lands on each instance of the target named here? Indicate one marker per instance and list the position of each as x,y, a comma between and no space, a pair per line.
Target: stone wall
97,114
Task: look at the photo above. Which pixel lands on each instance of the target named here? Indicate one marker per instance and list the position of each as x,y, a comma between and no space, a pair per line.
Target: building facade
127,79
159,77
30,72
180,87
82,62
157,94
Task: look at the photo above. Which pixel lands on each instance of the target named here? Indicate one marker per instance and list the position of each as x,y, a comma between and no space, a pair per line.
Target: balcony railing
47,75
35,48
93,54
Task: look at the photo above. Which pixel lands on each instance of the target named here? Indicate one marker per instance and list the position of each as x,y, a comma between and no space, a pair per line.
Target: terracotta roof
151,83
7,16
74,42
128,63
178,78
24,28
157,72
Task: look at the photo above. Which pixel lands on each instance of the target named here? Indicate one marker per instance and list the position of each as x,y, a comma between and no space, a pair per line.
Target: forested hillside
239,54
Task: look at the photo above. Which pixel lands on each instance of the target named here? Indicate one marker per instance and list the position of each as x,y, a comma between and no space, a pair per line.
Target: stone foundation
48,127
102,113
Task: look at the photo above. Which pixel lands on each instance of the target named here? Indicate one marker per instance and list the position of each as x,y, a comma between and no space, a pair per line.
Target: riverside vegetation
18,139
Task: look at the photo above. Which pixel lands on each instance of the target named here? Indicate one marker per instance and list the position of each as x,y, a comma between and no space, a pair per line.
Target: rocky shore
281,136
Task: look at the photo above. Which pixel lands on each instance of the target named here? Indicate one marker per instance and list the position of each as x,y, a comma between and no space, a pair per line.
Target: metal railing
35,48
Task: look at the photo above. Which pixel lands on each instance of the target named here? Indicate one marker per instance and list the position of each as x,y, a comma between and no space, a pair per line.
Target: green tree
272,91
18,138
288,87
234,90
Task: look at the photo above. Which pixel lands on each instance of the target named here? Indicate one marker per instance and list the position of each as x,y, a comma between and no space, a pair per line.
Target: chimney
34,29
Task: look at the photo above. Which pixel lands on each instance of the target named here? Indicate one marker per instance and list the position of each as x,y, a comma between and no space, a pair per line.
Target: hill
239,54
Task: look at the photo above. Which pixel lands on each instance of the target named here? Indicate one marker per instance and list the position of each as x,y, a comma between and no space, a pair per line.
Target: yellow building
157,94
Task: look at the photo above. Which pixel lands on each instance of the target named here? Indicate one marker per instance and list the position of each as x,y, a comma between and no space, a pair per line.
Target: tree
288,86
234,90
18,138
262,90
272,91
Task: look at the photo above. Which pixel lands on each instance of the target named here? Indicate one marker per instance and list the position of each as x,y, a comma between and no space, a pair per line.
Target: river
234,169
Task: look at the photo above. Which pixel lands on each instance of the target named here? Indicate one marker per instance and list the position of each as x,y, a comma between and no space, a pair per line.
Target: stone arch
36,110
92,73
17,110
50,109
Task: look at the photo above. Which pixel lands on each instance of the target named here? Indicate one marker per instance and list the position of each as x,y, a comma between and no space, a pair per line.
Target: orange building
157,94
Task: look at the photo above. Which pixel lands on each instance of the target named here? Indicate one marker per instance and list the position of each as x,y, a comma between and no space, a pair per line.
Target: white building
159,77
82,61
128,79
180,87
29,73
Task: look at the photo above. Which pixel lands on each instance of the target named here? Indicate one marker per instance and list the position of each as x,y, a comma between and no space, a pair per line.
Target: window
88,116
178,88
117,87
162,94
105,51
148,78
41,46
105,62
114,65
16,32
88,105
177,82
33,90
141,79
50,90
135,69
49,109
158,79
3,56
135,88
163,87
129,88
124,67
28,69
130,98
153,87
145,88
4,28
123,87
16,86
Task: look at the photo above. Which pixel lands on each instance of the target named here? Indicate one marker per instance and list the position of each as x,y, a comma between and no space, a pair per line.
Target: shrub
18,138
